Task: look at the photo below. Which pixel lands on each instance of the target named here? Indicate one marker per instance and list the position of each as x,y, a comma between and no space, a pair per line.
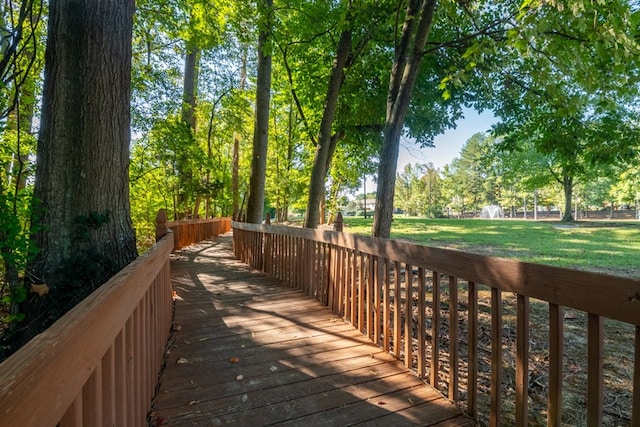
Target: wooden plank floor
248,350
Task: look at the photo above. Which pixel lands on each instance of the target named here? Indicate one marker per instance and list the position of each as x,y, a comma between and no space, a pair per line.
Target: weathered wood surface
249,351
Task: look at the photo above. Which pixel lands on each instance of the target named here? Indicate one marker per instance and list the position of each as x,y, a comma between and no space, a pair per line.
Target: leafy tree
566,63
21,61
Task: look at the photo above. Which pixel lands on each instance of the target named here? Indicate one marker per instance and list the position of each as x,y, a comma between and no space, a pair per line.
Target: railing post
338,224
161,224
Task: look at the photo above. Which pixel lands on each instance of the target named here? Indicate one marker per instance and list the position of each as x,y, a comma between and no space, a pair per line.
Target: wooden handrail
358,276
189,231
98,364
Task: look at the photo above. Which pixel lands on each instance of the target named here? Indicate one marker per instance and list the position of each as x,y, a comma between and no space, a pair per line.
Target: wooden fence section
190,231
409,300
98,365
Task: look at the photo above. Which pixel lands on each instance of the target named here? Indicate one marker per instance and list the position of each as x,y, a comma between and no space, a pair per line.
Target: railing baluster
408,315
108,388
635,417
435,330
522,361
397,337
472,376
453,338
377,300
594,370
92,399
354,288
556,333
369,295
495,409
386,304
73,416
421,324
361,293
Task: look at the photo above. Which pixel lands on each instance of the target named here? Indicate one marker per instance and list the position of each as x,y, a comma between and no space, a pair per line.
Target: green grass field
608,247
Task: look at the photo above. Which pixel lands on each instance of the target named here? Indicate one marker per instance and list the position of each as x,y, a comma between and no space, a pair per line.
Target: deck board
248,350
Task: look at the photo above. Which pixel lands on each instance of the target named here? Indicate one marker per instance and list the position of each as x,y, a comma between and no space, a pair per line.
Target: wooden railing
375,283
98,365
189,231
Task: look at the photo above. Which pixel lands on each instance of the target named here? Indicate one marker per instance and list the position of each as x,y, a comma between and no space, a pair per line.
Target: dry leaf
273,368
194,402
382,402
182,360
41,289
239,378
234,360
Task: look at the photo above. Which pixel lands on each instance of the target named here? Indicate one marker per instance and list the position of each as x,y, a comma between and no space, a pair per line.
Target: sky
447,145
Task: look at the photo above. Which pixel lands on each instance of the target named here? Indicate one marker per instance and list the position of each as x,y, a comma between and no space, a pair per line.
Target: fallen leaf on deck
273,368
203,339
411,401
234,360
239,378
182,360
382,402
194,402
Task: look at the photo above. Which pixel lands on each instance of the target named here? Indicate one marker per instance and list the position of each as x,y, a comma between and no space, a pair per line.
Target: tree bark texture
409,53
326,144
81,220
255,203
235,162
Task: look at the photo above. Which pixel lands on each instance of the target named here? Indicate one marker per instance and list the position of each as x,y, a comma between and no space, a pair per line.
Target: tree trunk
403,78
326,144
189,102
81,221
255,204
235,161
567,186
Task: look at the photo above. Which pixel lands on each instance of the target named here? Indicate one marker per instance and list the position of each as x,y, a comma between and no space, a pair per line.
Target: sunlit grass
611,247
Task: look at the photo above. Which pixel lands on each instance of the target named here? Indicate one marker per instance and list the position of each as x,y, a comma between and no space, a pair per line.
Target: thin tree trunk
567,186
235,161
403,78
326,145
255,203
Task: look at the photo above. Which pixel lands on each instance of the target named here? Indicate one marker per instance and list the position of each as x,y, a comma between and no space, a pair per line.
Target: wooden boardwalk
248,350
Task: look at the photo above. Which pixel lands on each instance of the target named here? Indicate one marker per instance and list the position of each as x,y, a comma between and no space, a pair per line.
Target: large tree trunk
81,221
257,180
326,144
409,53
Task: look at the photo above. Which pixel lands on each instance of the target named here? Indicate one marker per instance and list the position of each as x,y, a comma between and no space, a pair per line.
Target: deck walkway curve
247,350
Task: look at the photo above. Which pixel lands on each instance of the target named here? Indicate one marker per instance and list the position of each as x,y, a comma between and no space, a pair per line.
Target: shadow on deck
248,350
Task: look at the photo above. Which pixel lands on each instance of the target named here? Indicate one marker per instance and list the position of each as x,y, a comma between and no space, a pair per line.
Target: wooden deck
250,351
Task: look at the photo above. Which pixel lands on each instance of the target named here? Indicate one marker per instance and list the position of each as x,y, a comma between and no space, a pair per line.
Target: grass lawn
608,247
